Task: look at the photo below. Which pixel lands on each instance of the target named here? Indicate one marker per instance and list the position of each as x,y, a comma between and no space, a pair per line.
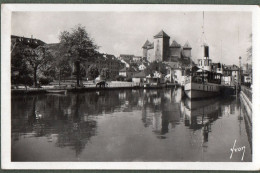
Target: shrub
45,80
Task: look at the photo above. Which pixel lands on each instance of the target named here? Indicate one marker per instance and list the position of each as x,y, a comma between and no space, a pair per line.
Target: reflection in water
75,121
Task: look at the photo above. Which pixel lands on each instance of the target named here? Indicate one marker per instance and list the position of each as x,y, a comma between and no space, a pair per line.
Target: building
139,77
141,67
161,50
175,74
126,57
127,73
32,42
137,58
175,51
106,61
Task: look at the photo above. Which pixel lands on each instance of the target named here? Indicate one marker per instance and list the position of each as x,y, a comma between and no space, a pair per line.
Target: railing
247,91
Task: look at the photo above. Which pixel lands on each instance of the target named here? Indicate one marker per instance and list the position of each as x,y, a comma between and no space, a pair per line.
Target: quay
246,103
90,87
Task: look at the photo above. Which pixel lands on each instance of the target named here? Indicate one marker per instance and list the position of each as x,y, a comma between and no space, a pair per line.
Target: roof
128,56
123,69
147,43
175,44
161,34
231,67
139,75
187,45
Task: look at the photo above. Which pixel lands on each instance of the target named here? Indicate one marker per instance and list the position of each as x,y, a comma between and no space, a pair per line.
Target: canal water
128,125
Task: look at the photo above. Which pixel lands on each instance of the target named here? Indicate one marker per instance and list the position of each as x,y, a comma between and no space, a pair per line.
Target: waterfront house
174,72
123,71
127,73
139,77
230,74
141,67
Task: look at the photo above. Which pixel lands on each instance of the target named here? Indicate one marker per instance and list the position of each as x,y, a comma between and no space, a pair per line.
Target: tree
37,58
105,73
93,71
156,66
79,46
20,73
61,65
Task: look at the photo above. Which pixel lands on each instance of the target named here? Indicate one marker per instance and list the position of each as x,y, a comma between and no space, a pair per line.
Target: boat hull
195,90
56,91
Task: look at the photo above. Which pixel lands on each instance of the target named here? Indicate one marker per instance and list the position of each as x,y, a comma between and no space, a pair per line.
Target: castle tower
175,51
145,48
161,46
186,50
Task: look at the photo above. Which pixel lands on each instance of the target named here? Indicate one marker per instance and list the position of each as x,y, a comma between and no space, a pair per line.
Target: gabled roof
126,56
161,34
231,67
147,43
175,44
187,45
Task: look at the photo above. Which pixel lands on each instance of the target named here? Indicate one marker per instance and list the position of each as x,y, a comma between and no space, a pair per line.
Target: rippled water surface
127,125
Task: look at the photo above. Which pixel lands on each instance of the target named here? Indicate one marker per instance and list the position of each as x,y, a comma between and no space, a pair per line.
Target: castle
161,50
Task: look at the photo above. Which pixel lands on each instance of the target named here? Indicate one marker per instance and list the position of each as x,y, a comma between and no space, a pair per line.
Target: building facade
161,50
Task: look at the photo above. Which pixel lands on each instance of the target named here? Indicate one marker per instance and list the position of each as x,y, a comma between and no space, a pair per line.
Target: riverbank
88,87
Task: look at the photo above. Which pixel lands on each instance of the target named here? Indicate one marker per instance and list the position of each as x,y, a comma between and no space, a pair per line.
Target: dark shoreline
85,89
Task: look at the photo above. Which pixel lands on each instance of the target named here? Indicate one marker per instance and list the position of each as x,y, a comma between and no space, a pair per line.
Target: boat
203,81
57,91
196,87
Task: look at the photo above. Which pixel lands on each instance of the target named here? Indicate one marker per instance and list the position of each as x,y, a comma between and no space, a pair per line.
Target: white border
6,10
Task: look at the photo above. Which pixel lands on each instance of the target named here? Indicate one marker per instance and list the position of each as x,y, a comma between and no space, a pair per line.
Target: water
127,125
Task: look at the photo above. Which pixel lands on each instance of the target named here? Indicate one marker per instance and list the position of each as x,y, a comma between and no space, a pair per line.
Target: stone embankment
246,105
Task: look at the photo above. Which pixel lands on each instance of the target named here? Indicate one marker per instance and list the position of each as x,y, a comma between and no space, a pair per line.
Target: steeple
175,44
147,43
187,45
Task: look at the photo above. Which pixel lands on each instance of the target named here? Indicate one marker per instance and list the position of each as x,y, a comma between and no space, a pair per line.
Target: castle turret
145,48
175,51
161,46
186,50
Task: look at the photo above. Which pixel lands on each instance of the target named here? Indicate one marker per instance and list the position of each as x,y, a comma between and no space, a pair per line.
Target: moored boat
199,89
203,81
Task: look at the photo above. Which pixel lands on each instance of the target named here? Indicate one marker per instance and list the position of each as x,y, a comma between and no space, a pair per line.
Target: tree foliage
38,58
156,66
93,71
61,67
105,73
20,72
79,46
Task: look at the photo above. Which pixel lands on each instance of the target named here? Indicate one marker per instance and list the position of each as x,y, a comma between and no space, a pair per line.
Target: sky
226,33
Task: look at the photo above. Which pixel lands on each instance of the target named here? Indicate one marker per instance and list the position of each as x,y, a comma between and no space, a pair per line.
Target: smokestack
206,51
